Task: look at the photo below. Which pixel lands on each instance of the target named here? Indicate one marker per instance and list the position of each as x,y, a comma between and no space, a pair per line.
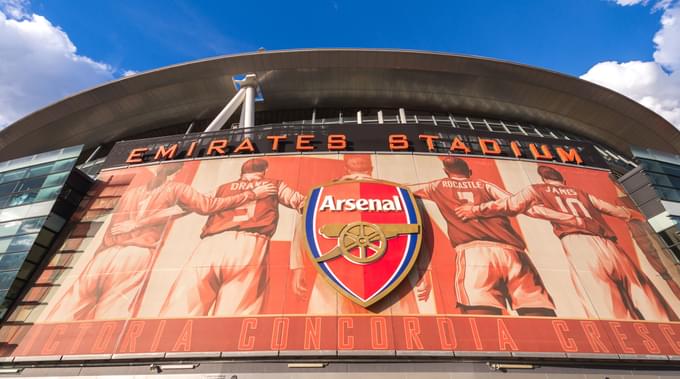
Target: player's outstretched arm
290,197
191,200
422,190
543,213
509,206
611,209
536,211
158,217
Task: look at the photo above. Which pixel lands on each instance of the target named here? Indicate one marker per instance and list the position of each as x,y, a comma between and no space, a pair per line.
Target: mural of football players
609,277
648,243
322,297
110,285
493,267
227,272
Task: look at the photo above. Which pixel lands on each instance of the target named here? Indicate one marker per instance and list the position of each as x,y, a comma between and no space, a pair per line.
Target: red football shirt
256,216
449,193
561,198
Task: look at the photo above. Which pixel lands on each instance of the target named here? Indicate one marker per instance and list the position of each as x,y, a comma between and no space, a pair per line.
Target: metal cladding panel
388,255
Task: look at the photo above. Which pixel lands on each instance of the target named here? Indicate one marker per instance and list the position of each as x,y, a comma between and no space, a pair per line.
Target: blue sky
567,36
611,42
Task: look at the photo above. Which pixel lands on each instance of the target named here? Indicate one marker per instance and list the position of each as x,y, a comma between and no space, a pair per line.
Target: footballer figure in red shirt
609,277
492,266
649,244
112,282
227,272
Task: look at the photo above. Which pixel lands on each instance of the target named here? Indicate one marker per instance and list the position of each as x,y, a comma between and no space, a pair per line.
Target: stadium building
338,213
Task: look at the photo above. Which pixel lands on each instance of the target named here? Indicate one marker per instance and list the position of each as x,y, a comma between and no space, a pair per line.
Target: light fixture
510,366
164,367
308,365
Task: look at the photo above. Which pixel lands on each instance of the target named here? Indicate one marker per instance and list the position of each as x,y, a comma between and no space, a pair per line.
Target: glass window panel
73,150
40,170
47,194
56,179
4,201
63,165
21,243
11,176
670,169
32,184
21,199
32,225
669,194
12,261
7,188
6,279
4,243
9,228
661,180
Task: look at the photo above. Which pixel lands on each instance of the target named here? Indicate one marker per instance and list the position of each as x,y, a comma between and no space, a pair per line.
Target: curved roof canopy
299,79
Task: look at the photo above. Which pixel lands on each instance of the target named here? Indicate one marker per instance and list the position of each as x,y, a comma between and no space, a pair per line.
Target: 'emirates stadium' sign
352,138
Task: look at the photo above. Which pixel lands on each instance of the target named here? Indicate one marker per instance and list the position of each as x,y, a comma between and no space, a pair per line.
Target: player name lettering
561,191
243,186
461,184
329,203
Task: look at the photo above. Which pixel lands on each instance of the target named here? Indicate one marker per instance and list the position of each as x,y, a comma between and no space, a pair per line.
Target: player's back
257,216
570,200
450,193
138,203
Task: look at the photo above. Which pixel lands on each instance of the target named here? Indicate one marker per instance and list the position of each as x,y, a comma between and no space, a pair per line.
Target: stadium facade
340,213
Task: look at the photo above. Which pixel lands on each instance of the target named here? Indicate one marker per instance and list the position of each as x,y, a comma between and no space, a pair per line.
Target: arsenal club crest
363,236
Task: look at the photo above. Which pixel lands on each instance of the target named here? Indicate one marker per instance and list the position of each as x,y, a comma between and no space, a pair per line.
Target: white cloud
39,63
654,84
667,39
659,4
16,9
626,3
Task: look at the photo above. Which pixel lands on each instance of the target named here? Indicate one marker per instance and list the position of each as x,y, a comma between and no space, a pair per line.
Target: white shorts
493,274
109,286
610,284
226,275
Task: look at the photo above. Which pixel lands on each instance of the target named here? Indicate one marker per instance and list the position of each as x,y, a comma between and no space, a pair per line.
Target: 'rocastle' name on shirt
462,184
329,203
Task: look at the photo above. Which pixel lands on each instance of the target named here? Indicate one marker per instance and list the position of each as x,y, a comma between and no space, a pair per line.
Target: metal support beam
94,153
249,108
402,116
245,96
227,111
190,128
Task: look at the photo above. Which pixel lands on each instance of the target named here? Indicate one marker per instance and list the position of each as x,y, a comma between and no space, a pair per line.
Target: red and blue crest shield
363,236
